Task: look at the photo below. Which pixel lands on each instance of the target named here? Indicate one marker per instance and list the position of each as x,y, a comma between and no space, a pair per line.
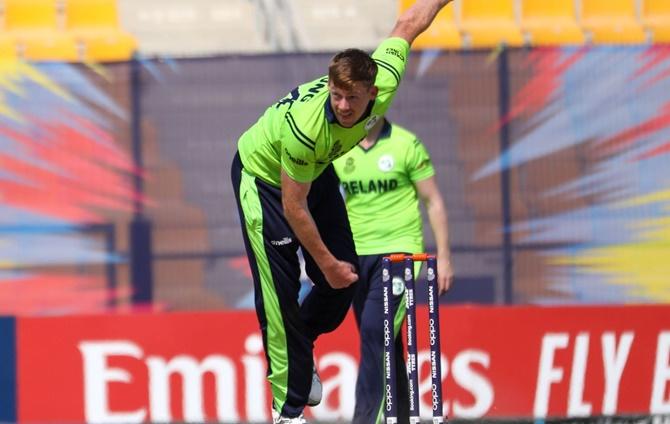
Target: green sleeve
298,156
297,160
418,162
391,58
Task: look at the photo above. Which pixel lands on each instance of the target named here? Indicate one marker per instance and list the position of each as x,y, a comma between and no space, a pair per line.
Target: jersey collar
386,130
384,133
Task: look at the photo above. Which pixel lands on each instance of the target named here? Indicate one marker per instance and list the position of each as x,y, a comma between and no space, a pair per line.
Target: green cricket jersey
381,197
300,133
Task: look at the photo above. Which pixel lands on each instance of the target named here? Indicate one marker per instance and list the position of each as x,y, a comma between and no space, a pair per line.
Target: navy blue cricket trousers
289,329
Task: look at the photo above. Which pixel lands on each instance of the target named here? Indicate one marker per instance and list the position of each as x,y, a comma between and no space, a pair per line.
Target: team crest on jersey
385,163
371,122
335,151
349,166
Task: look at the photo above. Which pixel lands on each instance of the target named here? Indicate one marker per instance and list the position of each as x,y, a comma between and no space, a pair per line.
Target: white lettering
547,373
472,381
576,405
342,386
386,300
192,373
614,361
387,333
411,389
97,375
659,419
254,371
425,385
659,403
434,399
431,300
389,398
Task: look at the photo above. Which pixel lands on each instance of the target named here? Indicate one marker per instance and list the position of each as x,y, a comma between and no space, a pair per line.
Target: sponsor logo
282,242
100,372
387,333
436,399
183,387
385,163
168,368
411,363
433,333
433,364
295,160
389,398
371,122
410,299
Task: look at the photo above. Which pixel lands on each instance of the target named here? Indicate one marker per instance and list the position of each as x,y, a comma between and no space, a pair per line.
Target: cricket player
383,179
288,197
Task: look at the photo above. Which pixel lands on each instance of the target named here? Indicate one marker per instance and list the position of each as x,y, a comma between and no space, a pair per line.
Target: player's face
350,104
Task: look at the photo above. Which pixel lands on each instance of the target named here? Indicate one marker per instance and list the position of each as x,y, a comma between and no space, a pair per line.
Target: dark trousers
289,329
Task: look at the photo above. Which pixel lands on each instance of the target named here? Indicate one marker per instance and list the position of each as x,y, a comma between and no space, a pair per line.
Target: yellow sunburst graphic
642,267
12,73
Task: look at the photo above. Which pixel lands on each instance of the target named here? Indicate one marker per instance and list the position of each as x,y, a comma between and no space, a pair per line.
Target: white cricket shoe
316,392
278,419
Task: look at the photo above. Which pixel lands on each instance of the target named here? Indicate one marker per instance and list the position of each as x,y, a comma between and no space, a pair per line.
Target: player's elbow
408,27
291,208
287,206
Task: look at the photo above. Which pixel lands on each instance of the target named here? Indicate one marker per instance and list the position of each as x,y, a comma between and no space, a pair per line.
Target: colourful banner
497,362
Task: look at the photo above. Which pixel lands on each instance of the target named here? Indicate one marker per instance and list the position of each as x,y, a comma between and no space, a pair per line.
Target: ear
374,91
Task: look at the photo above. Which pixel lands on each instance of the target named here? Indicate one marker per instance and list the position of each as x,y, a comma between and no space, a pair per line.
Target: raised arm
417,19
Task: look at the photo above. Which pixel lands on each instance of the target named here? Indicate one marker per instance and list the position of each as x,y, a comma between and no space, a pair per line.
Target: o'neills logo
295,160
282,242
